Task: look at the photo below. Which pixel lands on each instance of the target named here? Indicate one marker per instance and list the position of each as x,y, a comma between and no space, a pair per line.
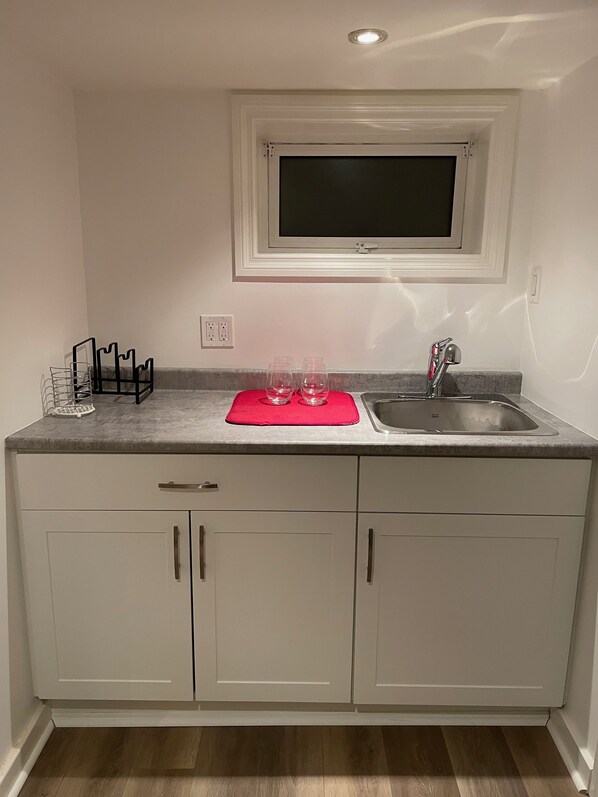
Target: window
372,186
331,196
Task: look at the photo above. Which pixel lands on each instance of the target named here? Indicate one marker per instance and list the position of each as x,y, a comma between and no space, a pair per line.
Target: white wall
560,351
42,309
560,344
155,201
156,209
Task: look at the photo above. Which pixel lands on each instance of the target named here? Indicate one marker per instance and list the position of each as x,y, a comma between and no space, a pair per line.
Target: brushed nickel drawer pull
177,555
202,553
370,555
194,487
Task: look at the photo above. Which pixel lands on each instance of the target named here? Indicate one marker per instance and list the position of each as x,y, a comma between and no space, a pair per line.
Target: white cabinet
464,610
273,605
466,579
143,571
109,604
110,615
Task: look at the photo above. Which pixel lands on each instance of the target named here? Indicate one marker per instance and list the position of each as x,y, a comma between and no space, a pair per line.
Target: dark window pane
408,196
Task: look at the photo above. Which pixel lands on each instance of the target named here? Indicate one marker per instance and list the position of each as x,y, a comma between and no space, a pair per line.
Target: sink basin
481,415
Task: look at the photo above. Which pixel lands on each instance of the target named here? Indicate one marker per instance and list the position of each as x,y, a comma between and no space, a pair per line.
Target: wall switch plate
535,283
216,331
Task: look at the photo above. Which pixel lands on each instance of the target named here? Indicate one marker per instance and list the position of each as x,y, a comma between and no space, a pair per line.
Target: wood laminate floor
391,761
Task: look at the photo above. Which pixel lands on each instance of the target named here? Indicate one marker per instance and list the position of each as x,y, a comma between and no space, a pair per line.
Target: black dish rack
120,375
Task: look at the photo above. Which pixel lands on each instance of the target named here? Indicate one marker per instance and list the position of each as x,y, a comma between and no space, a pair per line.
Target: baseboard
98,718
577,760
22,758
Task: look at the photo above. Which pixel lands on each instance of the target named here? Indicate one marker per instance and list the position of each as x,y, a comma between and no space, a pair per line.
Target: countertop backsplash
458,382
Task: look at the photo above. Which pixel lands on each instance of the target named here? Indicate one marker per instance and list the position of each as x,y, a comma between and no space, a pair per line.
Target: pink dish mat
252,408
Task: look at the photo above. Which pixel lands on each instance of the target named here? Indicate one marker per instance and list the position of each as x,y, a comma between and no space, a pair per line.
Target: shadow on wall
513,27
580,365
503,38
429,312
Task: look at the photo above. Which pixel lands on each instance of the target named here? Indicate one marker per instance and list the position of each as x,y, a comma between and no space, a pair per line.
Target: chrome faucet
442,354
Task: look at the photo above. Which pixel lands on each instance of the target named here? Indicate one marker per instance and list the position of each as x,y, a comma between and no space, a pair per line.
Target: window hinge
469,149
268,149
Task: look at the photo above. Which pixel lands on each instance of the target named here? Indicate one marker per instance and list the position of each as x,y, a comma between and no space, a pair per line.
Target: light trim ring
367,36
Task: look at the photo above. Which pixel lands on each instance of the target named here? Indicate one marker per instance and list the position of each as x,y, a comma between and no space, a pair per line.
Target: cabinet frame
295,489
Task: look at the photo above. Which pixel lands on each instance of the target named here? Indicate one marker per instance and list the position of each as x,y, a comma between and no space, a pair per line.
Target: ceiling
302,44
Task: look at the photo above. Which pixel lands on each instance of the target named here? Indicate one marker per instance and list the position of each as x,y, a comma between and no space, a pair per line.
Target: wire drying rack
67,391
115,373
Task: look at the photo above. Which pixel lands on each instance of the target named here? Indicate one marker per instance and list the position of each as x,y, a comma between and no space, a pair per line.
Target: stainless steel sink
481,415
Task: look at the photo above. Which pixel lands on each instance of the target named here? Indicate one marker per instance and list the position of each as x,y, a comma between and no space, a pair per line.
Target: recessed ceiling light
367,36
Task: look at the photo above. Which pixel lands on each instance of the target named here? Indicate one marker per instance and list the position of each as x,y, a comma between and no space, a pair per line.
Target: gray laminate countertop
193,421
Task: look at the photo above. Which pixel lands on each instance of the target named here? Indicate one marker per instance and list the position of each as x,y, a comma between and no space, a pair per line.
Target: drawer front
479,486
131,481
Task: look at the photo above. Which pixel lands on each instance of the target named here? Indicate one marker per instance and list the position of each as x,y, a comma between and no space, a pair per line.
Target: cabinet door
464,609
273,605
109,604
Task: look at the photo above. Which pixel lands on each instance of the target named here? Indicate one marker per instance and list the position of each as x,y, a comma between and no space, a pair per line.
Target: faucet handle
442,354
439,345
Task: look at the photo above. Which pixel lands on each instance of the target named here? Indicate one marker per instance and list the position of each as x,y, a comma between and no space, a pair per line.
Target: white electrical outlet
224,330
216,331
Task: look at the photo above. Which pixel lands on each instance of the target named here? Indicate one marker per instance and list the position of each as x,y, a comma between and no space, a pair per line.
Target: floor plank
51,767
291,762
169,783
227,763
101,764
160,749
418,762
539,762
483,763
354,762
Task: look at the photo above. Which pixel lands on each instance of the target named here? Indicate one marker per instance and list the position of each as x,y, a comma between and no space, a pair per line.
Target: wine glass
314,381
280,382
289,361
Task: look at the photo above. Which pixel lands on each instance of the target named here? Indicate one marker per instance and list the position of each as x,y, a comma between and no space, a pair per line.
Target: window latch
363,248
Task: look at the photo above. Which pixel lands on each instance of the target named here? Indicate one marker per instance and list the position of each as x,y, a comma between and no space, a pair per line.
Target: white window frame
286,243
373,118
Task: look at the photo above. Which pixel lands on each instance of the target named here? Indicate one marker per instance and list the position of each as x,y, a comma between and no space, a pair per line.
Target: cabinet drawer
130,481
480,486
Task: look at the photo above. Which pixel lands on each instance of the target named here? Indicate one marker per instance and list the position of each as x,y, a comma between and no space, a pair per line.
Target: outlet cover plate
216,331
535,283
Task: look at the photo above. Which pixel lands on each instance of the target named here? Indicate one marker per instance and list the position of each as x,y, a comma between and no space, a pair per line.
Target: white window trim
385,118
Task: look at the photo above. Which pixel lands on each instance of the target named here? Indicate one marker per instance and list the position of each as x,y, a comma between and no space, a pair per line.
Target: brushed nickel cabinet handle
202,553
177,554
193,487
370,555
